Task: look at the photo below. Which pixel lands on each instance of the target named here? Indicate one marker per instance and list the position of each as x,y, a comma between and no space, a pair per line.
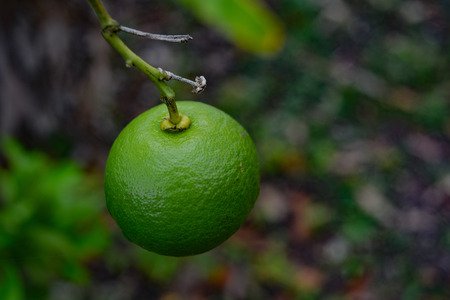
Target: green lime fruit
182,193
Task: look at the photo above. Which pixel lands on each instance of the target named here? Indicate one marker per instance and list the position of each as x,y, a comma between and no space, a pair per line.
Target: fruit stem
110,27
174,115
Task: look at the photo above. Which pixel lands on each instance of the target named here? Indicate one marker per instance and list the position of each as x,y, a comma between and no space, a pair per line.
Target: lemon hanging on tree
182,193
177,184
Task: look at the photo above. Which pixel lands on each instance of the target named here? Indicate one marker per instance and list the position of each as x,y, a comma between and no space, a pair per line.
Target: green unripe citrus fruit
182,193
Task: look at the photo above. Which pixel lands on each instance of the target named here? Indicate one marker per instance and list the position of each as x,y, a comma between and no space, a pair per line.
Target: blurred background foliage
348,103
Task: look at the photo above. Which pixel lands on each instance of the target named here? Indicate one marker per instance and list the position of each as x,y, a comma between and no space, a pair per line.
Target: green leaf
247,23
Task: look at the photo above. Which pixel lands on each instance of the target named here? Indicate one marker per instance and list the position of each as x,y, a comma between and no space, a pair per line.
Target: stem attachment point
184,124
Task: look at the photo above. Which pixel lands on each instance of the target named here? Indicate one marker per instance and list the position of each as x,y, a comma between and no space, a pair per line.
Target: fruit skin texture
182,193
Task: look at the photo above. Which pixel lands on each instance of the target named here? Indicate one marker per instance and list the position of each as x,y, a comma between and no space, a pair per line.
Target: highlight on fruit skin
182,193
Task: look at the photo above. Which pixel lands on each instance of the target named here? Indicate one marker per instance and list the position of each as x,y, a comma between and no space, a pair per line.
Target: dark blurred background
348,103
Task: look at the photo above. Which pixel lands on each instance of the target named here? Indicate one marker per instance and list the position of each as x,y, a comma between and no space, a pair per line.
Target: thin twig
199,84
179,38
110,27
